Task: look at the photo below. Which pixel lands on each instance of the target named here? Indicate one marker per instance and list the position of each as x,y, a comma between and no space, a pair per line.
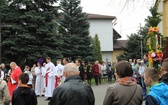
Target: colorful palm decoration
154,41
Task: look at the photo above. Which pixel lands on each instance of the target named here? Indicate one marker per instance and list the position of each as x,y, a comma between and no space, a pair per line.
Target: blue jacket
108,68
160,93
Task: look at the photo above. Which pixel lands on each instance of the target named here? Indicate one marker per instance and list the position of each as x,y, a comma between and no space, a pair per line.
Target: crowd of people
101,72
69,83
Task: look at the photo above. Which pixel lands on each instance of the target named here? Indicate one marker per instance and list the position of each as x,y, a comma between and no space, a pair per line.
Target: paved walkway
99,92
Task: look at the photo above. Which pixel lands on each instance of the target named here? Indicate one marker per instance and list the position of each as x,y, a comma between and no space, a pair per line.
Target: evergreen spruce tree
97,48
74,27
2,2
31,34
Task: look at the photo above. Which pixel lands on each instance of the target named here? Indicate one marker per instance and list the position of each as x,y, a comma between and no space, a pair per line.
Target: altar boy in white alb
49,78
39,84
59,69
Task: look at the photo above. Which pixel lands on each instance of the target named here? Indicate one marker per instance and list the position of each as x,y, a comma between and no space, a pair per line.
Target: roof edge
99,16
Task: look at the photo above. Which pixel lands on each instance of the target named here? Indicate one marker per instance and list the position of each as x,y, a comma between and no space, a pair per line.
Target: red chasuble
14,75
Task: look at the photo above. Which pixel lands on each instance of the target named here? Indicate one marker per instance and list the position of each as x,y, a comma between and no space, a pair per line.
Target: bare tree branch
123,4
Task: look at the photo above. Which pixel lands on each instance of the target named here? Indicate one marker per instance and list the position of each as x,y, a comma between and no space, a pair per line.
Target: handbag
132,95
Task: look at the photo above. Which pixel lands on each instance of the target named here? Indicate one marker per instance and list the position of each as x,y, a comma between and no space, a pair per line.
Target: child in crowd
27,70
24,95
158,94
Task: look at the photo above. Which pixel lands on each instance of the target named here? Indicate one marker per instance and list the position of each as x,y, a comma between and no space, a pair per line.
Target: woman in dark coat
89,73
96,72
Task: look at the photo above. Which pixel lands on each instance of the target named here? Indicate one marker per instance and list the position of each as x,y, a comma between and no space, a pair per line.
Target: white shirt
59,70
103,69
51,67
2,74
142,69
30,77
77,67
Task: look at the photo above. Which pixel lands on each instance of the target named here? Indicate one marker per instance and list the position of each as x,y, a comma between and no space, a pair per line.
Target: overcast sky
128,19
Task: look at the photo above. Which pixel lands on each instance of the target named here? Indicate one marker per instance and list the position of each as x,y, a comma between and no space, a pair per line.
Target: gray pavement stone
99,92
41,101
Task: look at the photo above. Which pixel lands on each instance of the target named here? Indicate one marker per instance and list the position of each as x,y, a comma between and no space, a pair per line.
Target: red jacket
95,70
14,75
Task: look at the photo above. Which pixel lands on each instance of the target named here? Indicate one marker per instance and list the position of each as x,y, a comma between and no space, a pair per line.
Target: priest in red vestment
13,80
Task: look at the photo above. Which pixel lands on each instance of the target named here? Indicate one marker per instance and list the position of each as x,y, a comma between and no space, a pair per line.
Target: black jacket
89,72
81,69
24,96
164,78
73,92
150,100
82,72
